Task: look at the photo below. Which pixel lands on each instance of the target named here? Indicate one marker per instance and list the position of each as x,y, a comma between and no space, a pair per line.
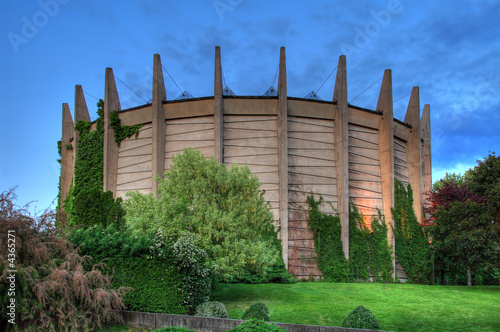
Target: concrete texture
386,152
218,109
67,164
413,150
208,324
158,124
425,136
110,162
342,151
283,154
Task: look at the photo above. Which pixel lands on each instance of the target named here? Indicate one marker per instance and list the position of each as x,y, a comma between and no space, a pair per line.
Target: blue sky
450,49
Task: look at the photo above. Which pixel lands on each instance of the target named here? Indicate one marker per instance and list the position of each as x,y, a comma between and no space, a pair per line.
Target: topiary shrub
361,318
257,325
212,309
257,310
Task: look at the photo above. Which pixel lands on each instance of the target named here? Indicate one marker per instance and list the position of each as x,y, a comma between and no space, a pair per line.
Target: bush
223,206
212,309
258,310
361,318
165,274
257,325
53,289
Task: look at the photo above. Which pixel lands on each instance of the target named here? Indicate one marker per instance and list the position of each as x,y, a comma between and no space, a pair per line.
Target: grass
398,307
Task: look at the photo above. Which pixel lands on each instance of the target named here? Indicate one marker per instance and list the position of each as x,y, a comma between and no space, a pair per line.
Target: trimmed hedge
361,318
258,310
212,309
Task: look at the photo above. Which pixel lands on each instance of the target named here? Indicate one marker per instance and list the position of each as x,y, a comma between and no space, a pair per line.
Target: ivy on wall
412,246
86,203
123,132
369,251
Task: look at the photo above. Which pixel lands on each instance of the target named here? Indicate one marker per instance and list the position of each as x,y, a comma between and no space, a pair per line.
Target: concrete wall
295,146
207,324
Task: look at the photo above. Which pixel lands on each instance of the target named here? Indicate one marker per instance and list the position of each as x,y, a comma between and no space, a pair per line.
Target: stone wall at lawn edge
207,324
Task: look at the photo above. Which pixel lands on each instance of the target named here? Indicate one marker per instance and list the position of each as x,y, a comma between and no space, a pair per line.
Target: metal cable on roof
401,97
165,69
91,95
132,90
317,90
366,89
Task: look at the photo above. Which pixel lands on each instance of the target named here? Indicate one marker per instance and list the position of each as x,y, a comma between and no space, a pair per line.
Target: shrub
54,291
212,309
361,318
257,325
223,206
258,310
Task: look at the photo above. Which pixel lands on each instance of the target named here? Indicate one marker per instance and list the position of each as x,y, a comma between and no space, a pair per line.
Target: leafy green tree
464,221
224,207
464,234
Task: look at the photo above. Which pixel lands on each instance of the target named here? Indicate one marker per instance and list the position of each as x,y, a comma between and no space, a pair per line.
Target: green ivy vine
412,246
369,252
123,132
86,203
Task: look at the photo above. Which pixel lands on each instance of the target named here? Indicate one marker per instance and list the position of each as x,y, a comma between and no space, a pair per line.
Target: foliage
224,207
173,329
369,250
122,132
165,274
485,180
258,310
275,274
361,318
412,247
53,291
257,325
464,221
191,262
327,244
87,204
211,309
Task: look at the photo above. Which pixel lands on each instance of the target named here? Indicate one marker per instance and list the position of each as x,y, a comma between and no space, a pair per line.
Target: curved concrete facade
295,146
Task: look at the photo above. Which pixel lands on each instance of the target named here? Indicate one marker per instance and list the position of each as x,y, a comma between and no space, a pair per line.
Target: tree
461,222
224,207
43,283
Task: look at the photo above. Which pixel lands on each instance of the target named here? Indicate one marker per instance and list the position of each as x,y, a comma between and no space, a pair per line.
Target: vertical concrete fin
218,109
158,122
413,151
386,153
81,113
111,103
283,153
342,151
425,124
68,131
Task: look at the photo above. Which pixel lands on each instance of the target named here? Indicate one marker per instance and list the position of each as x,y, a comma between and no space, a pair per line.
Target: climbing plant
86,203
412,248
369,251
123,132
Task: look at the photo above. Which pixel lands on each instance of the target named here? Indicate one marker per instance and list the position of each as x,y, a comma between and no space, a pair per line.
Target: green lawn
398,307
